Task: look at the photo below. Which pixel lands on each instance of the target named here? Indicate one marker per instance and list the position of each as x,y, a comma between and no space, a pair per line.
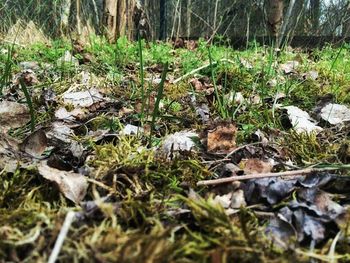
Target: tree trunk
285,23
315,15
346,22
64,25
188,18
162,20
119,18
274,16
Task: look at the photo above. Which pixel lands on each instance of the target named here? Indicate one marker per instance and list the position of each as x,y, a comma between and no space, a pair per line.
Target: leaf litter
132,170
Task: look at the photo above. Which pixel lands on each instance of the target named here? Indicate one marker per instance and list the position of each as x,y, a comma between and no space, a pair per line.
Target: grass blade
29,103
155,114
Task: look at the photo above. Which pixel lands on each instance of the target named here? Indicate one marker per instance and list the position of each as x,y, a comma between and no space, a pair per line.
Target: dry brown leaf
11,155
289,66
124,111
222,139
252,166
13,115
8,153
75,114
198,86
35,144
191,44
72,185
28,76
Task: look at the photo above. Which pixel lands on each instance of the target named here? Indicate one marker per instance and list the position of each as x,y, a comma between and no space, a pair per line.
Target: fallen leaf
60,131
72,185
9,153
75,114
281,232
131,129
252,166
335,113
236,97
179,142
32,65
13,115
35,144
222,139
301,120
82,98
223,200
289,66
272,83
203,112
245,63
238,200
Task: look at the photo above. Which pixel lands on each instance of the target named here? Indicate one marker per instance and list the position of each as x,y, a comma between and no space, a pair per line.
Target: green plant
155,113
219,98
142,78
124,52
29,103
7,70
160,53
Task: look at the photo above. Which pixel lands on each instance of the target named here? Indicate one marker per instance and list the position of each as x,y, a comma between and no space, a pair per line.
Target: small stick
200,68
241,147
264,175
62,235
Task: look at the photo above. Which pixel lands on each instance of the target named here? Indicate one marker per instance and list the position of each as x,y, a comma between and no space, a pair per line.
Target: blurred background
170,19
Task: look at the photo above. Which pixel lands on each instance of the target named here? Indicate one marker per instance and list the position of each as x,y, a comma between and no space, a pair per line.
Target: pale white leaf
335,113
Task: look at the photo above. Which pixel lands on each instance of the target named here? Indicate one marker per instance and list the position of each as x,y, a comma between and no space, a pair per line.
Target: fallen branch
265,175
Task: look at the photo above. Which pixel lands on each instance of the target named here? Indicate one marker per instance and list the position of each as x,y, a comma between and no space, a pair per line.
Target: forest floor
174,152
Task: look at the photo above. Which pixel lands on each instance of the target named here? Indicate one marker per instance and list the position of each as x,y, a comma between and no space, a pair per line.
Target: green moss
306,148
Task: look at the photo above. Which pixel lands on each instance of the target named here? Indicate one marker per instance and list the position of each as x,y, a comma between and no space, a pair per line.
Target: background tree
274,15
119,18
162,19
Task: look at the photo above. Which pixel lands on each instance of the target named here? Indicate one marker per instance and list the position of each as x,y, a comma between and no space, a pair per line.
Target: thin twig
200,68
61,237
264,175
241,148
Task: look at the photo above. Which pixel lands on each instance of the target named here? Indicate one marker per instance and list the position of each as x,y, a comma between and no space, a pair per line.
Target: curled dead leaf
72,185
35,144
